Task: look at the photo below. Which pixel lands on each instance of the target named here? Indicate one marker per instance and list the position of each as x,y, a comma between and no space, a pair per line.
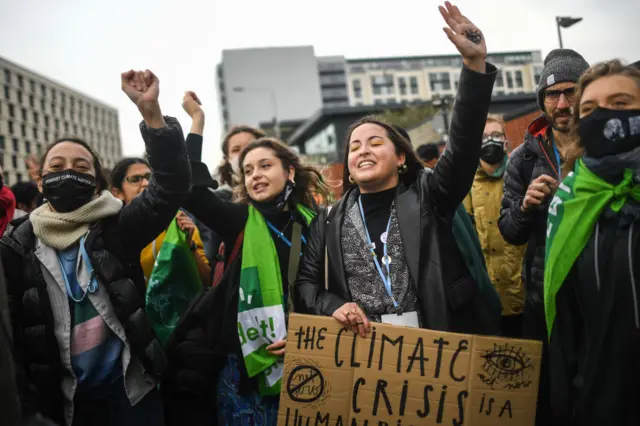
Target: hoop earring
353,182
403,169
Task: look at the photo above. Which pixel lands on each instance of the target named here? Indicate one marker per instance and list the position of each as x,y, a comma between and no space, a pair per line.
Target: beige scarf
61,230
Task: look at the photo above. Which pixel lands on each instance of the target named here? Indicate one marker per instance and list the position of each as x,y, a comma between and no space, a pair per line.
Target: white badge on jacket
408,319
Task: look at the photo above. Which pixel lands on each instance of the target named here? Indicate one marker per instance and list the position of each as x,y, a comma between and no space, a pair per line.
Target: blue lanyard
282,236
557,153
386,260
93,281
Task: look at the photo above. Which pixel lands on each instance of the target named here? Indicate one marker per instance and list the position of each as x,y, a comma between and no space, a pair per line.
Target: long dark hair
102,183
119,171
225,171
402,144
309,181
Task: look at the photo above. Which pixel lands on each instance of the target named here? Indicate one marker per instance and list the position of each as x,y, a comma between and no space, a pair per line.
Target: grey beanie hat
560,65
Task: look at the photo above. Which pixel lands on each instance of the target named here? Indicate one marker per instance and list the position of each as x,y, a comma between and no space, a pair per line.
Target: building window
379,102
440,81
23,129
66,127
20,98
75,130
11,127
46,121
63,98
7,77
16,147
20,82
36,118
14,161
499,79
382,84
2,142
46,136
19,177
24,114
43,90
42,105
357,88
402,85
32,86
11,111
35,133
27,147
413,83
53,95
32,101
6,93
509,80
519,81
536,74
57,124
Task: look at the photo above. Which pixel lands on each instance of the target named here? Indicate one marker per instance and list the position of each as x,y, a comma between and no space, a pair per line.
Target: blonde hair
597,71
498,118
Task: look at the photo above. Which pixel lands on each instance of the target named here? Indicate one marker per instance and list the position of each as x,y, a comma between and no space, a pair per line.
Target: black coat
113,245
595,341
448,295
529,161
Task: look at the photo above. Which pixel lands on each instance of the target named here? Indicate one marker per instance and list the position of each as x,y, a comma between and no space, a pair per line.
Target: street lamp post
274,103
565,22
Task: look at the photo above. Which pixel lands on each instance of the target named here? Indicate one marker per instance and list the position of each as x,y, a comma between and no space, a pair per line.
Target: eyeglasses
137,179
554,95
497,136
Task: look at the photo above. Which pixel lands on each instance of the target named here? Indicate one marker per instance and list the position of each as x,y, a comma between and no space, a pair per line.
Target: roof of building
57,83
423,57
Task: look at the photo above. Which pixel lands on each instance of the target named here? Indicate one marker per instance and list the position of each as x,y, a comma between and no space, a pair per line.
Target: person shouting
85,353
392,257
217,375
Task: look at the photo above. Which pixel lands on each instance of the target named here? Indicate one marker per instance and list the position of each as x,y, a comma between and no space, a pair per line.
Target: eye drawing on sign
506,366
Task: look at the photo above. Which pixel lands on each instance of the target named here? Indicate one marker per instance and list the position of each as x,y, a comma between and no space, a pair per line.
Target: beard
561,113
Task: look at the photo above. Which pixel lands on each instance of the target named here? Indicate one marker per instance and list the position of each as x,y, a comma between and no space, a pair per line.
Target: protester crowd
125,297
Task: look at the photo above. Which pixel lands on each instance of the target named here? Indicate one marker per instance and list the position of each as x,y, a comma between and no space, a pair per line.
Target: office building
34,111
291,84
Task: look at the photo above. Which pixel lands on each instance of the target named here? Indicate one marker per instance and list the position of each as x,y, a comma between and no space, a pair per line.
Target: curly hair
597,71
225,171
309,181
402,144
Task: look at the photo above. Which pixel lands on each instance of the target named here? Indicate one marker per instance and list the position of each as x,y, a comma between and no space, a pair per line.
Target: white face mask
235,165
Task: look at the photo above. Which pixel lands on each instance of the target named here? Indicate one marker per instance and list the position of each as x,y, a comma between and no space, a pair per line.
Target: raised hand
467,38
191,104
143,88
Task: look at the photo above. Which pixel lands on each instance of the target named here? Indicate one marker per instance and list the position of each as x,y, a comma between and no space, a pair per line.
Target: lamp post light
565,22
274,103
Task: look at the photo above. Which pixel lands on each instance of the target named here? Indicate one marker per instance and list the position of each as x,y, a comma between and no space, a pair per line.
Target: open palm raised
467,37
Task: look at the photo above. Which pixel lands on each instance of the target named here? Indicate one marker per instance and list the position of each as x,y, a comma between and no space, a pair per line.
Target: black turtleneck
377,208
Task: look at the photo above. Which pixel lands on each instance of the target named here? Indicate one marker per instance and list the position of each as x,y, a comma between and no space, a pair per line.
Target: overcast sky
85,45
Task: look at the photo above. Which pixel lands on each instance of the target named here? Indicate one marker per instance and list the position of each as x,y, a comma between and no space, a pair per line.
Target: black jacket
448,295
113,245
208,330
595,340
529,161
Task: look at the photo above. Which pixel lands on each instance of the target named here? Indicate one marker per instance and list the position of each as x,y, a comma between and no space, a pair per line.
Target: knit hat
560,65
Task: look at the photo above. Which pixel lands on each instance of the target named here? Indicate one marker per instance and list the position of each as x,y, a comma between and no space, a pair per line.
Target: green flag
173,283
261,311
573,214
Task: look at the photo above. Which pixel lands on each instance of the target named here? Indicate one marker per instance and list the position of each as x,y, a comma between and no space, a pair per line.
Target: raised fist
191,104
142,87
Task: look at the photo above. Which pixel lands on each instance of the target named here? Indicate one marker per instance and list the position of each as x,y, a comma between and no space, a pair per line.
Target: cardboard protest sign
404,376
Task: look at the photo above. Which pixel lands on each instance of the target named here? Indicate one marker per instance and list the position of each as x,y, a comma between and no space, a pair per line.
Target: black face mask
68,190
608,132
492,152
279,202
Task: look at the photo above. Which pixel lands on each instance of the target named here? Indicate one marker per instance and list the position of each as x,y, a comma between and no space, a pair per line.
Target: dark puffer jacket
529,161
113,246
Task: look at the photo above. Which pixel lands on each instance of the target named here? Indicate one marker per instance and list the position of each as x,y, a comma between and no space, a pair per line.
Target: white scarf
60,230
